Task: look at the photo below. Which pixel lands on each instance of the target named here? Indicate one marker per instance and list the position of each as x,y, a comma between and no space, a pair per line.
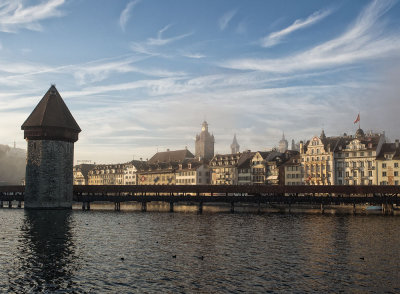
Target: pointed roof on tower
51,119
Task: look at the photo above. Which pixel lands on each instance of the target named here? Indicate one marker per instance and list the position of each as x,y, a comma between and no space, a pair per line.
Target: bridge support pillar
117,206
9,204
322,208
1,204
354,208
171,207
200,207
232,207
144,206
19,204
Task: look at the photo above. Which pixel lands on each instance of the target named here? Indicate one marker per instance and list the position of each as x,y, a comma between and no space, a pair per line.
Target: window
396,164
347,164
354,164
396,173
340,174
369,164
347,174
340,182
396,183
361,153
383,165
355,173
383,174
362,173
370,182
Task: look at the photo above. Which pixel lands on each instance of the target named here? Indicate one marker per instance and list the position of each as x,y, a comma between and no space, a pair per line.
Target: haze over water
153,252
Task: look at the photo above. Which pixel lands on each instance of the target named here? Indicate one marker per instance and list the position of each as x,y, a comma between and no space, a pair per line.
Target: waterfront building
130,172
161,173
291,172
244,168
107,174
81,173
224,169
388,164
193,172
204,144
235,145
317,158
265,167
50,131
283,144
355,158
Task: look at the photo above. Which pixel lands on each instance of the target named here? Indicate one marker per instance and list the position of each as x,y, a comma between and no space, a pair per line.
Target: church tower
235,146
283,144
204,145
50,131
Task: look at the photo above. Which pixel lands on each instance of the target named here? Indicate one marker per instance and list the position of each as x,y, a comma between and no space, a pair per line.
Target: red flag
357,119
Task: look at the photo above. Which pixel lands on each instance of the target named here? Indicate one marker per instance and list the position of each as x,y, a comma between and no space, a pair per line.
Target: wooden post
232,207
171,206
200,207
144,206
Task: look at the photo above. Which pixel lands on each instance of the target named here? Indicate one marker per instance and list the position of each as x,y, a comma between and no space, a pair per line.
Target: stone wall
49,174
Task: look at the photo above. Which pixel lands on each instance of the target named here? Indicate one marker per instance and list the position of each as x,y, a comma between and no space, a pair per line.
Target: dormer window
189,165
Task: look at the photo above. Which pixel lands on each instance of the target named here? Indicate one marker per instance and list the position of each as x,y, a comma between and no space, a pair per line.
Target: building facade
193,172
81,173
107,174
224,169
388,164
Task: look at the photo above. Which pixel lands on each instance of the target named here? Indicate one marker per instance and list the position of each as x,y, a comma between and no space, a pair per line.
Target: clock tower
204,145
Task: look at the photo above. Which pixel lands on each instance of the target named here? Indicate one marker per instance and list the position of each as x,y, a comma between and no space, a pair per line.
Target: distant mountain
12,165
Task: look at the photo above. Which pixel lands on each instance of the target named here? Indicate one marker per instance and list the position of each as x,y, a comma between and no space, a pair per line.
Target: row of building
360,159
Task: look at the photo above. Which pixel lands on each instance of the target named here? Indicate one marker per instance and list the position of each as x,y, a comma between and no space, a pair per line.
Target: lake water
158,252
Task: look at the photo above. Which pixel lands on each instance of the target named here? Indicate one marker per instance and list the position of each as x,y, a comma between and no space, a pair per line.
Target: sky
141,76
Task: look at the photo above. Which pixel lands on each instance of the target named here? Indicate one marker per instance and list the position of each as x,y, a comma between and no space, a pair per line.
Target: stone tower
283,144
50,131
204,147
235,146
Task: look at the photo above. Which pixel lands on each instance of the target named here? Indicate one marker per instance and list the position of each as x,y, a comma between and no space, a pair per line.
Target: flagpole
359,121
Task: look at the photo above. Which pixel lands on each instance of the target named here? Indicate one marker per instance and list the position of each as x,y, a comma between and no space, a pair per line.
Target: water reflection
46,253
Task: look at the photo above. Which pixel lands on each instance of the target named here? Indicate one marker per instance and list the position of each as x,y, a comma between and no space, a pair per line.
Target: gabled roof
389,148
169,156
51,112
245,159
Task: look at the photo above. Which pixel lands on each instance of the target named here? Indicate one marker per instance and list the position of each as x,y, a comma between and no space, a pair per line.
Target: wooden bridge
387,196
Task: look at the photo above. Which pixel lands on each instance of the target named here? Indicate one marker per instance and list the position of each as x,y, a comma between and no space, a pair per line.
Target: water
153,252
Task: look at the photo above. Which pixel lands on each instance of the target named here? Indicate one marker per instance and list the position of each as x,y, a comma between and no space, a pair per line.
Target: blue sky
141,76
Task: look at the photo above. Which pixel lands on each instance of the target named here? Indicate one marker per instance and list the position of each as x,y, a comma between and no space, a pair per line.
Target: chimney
397,143
301,147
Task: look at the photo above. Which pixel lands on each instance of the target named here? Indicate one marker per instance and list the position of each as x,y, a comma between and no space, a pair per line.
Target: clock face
203,128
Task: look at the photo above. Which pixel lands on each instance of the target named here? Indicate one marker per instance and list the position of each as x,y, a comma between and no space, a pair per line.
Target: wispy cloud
148,47
226,18
14,15
160,41
126,14
276,37
363,40
194,55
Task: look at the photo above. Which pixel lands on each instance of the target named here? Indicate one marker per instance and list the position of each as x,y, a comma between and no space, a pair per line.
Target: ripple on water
104,251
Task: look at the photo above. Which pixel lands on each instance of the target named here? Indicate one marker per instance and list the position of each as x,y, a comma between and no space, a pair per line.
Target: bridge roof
51,112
